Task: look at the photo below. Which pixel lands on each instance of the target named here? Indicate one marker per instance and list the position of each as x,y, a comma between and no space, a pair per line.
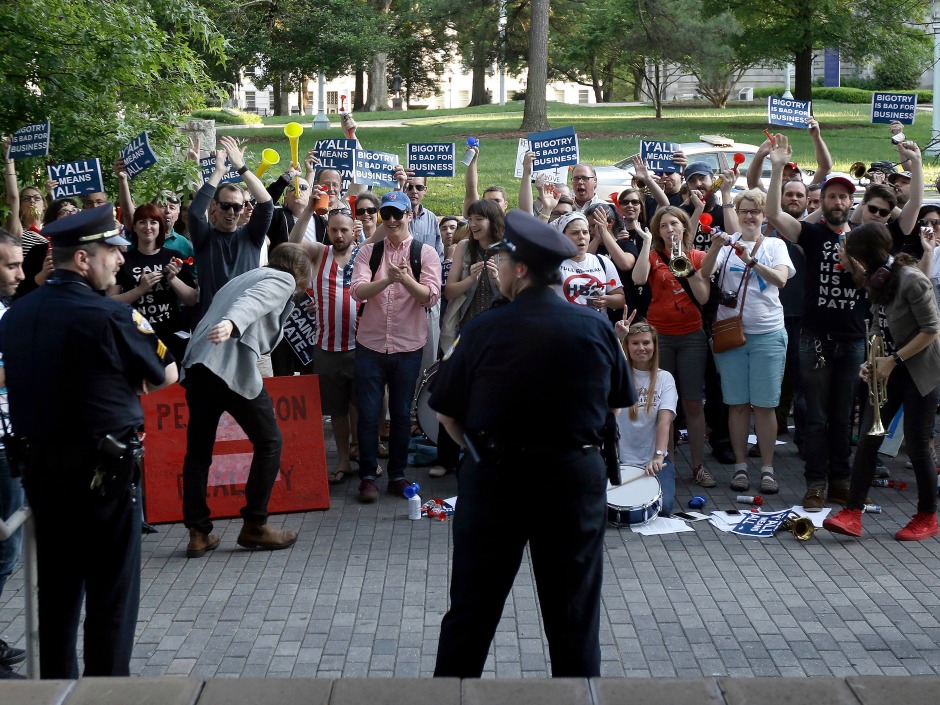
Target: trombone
877,388
679,264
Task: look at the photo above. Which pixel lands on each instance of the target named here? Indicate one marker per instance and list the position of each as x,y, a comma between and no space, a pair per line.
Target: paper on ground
752,439
452,501
815,517
662,525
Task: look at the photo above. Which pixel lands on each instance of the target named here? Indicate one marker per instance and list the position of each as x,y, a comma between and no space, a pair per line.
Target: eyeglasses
631,202
582,178
415,187
875,210
750,211
237,207
391,214
364,211
34,197
303,187
641,328
340,211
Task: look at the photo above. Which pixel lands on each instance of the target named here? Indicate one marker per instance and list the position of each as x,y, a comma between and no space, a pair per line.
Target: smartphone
686,516
733,512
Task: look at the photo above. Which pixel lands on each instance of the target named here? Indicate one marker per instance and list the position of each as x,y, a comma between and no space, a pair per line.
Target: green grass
606,135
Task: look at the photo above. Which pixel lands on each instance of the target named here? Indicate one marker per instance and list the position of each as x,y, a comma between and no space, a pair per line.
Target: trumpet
293,131
801,527
269,158
679,264
858,170
877,388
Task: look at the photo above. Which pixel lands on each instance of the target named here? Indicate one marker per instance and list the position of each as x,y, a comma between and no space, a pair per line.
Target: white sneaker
437,471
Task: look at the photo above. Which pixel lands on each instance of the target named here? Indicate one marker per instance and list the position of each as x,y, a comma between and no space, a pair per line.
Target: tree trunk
803,89
608,82
658,93
535,117
302,94
378,83
357,101
478,94
639,73
596,82
283,105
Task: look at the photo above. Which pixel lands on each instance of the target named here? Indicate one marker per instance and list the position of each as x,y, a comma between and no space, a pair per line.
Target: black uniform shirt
538,371
74,361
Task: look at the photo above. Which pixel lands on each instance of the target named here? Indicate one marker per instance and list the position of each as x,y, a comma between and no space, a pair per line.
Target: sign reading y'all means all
31,141
432,158
788,113
138,155
338,155
658,156
887,107
554,148
76,178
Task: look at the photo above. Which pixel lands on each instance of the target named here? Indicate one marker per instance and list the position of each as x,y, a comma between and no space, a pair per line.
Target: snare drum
635,503
423,413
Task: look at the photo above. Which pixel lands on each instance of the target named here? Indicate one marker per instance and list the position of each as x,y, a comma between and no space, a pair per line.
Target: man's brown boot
200,542
263,536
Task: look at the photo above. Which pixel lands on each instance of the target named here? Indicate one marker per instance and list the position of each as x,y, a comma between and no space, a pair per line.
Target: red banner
301,483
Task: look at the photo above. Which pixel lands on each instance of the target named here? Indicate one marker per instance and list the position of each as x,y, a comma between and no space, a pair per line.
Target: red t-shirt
671,310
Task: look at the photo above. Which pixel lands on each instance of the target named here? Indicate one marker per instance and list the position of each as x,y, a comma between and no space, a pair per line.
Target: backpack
378,250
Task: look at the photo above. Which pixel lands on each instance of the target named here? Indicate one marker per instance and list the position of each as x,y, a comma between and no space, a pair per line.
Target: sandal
340,476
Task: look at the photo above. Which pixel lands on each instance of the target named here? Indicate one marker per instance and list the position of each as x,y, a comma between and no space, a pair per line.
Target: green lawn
606,135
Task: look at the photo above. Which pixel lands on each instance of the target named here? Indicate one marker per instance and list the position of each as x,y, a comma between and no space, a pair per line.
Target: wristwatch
661,453
897,359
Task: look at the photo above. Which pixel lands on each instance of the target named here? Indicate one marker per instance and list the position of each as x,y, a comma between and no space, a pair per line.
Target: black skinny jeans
918,421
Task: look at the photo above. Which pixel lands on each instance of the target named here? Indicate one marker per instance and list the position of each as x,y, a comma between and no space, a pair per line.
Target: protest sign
337,154
759,524
555,176
208,167
76,178
554,148
658,156
788,113
31,141
886,107
300,330
138,155
374,168
432,158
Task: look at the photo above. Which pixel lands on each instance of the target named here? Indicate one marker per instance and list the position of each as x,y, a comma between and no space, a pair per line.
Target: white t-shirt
763,312
638,438
592,276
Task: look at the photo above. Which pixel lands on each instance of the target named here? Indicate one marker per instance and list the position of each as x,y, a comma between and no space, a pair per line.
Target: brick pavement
363,591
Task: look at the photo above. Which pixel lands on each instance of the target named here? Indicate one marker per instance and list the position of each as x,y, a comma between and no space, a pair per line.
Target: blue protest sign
208,166
788,113
31,141
432,158
138,155
337,154
886,107
374,168
760,524
554,148
658,156
76,178
300,331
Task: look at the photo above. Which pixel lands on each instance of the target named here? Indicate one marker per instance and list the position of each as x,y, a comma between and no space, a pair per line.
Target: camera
898,138
728,298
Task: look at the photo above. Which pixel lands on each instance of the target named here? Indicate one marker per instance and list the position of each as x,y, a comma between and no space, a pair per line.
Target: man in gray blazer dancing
220,373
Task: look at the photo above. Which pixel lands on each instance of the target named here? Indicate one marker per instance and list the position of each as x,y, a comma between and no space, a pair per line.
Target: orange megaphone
293,131
269,158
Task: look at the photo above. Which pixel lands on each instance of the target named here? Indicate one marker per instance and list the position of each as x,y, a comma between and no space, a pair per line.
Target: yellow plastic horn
269,157
293,131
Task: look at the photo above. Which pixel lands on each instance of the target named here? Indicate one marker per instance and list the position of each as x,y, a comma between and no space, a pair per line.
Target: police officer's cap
533,242
95,225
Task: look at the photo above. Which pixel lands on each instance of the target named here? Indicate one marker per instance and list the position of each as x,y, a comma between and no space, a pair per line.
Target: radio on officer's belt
111,447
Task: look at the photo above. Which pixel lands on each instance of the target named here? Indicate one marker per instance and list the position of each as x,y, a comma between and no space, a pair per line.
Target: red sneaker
921,526
848,522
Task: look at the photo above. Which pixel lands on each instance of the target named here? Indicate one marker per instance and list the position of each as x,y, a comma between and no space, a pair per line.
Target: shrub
226,116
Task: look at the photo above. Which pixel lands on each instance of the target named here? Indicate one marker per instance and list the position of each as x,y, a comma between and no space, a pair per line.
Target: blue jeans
829,392
373,370
11,499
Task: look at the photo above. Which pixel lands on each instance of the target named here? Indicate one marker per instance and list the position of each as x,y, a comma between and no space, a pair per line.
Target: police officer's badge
450,350
143,325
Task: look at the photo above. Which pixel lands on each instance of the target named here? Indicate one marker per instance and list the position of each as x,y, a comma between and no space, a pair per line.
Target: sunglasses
392,214
237,207
641,328
364,211
875,210
303,187
340,211
416,187
251,202
631,202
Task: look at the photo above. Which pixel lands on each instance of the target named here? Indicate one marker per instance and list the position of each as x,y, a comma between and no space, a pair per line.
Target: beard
834,219
794,209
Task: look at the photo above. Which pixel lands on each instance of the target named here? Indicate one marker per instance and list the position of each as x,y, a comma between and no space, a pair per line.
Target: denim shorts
753,373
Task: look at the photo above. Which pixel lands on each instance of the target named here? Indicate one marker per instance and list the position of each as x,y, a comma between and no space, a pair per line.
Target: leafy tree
535,116
103,71
419,53
901,63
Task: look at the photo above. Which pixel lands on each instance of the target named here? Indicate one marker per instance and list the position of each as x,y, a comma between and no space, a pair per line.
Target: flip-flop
340,476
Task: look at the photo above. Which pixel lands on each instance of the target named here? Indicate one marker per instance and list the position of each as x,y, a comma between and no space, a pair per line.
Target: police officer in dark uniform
76,362
526,389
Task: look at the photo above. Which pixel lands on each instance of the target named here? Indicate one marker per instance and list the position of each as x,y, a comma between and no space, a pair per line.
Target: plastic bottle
469,154
750,499
414,501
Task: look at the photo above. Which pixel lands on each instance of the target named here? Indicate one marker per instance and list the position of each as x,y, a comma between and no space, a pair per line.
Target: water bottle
469,154
414,501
